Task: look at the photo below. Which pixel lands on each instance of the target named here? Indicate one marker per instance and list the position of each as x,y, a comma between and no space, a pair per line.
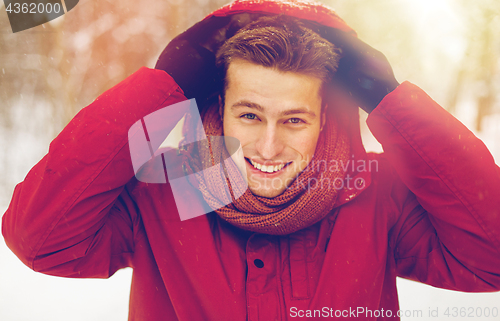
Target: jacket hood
317,16
305,10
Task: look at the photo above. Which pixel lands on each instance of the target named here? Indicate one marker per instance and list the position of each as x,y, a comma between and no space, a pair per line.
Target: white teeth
256,165
267,168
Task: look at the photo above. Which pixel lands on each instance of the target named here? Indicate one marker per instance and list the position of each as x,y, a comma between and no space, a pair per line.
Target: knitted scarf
307,200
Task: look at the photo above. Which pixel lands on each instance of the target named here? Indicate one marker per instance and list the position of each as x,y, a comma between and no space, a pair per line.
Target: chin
268,193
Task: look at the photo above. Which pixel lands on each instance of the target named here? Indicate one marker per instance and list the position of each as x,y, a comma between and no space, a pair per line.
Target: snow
26,295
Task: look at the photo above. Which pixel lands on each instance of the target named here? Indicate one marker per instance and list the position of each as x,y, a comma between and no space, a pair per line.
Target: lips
268,168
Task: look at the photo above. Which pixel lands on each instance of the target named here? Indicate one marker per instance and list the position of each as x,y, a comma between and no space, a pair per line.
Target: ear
323,117
221,108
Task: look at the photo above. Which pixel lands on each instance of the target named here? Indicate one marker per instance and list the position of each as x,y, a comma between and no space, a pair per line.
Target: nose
270,143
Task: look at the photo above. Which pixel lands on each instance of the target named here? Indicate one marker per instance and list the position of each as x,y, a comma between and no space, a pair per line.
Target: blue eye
295,120
249,116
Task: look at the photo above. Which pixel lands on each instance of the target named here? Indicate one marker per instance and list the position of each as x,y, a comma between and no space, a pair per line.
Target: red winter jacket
429,212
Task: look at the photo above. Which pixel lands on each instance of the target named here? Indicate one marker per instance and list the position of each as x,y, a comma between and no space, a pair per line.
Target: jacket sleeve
448,234
73,215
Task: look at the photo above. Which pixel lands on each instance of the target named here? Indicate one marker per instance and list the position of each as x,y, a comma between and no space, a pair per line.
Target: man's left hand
363,71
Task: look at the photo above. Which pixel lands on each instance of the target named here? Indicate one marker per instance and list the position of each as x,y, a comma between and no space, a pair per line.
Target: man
319,233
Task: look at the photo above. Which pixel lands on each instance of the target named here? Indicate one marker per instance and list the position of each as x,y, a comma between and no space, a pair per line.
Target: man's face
277,118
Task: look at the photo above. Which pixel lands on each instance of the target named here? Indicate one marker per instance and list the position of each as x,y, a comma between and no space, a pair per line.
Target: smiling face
277,118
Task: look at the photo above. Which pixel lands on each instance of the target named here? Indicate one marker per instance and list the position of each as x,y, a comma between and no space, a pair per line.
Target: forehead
271,88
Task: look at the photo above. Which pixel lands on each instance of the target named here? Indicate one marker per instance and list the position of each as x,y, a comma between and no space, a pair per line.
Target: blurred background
48,73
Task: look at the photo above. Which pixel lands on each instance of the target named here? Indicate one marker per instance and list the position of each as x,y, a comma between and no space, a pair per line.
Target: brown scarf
308,199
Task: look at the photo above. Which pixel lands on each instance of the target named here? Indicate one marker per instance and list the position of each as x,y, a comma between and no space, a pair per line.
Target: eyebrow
300,110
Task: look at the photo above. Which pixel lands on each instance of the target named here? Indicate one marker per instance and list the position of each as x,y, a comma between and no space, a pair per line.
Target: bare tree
478,74
59,67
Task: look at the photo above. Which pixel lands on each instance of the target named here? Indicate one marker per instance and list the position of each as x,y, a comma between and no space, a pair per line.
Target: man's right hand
190,57
190,64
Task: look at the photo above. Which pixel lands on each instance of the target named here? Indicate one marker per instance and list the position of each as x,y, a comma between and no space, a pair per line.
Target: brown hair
280,42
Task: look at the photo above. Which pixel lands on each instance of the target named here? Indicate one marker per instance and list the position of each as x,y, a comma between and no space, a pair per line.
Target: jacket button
258,263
